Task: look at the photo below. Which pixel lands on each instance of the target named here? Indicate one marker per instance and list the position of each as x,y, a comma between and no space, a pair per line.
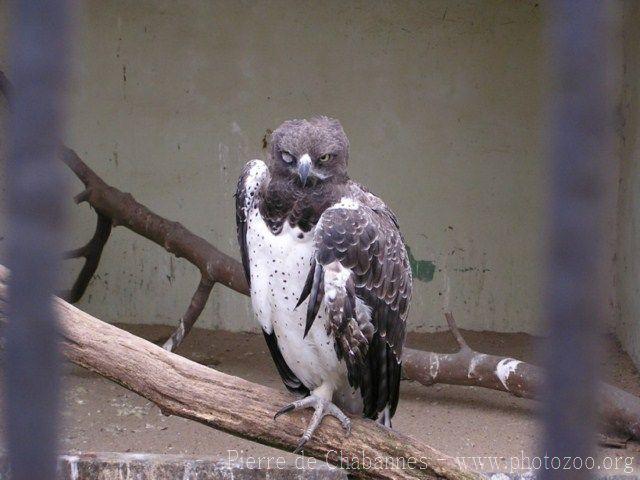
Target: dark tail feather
383,377
395,374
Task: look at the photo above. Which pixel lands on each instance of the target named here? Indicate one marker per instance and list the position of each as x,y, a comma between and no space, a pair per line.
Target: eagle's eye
325,158
286,157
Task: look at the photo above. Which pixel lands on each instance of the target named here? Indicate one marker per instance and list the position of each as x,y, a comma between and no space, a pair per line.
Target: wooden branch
618,409
471,368
182,387
462,343
198,302
123,209
91,252
117,208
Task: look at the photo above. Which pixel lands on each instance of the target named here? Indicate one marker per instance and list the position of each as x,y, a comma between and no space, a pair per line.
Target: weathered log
182,387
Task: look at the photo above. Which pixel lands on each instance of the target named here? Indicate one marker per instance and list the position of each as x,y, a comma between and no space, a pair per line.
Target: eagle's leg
385,418
323,406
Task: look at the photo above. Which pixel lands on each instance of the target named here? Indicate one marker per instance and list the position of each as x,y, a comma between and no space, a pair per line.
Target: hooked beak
304,166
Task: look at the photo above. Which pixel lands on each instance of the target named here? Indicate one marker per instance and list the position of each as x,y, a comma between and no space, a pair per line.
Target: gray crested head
309,152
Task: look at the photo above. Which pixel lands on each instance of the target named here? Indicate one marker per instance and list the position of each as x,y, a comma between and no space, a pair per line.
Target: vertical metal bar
35,205
573,300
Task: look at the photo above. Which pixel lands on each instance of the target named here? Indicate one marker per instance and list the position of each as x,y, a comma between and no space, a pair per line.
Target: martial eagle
329,274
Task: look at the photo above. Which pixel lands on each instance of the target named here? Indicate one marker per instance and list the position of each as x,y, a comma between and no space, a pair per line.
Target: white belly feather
279,265
279,268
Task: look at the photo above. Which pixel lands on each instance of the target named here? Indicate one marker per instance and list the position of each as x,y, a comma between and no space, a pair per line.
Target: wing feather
253,175
367,243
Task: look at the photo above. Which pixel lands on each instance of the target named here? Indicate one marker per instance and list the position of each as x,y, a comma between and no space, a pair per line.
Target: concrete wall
442,102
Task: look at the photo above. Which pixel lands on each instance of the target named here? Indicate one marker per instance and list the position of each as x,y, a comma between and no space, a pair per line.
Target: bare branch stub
198,302
91,252
462,343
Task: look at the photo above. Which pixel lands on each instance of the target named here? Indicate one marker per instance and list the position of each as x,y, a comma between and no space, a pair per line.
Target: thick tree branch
123,209
92,251
117,208
184,388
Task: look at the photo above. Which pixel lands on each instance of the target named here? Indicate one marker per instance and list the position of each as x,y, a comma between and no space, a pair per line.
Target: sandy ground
489,430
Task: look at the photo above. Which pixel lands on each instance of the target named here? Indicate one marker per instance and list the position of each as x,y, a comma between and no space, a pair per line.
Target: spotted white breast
278,268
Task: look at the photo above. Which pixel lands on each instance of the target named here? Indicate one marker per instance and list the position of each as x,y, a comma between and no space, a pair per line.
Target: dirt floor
487,430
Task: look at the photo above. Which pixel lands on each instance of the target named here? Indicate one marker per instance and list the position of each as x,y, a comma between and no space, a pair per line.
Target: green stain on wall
421,269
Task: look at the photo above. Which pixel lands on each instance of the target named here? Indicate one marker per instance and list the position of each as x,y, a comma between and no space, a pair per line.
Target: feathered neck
285,200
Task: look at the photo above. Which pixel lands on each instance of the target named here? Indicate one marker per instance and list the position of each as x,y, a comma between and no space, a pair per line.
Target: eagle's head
309,152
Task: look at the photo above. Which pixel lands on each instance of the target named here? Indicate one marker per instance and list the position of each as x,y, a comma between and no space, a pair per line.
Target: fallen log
182,387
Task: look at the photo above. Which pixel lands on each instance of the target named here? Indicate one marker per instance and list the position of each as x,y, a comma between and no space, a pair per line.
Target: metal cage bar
573,299
35,199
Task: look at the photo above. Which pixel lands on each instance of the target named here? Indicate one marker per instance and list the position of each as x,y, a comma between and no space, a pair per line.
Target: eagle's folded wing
361,271
250,182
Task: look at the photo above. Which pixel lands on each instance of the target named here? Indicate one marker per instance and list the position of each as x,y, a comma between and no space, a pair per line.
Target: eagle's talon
339,414
322,408
300,445
347,427
285,409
